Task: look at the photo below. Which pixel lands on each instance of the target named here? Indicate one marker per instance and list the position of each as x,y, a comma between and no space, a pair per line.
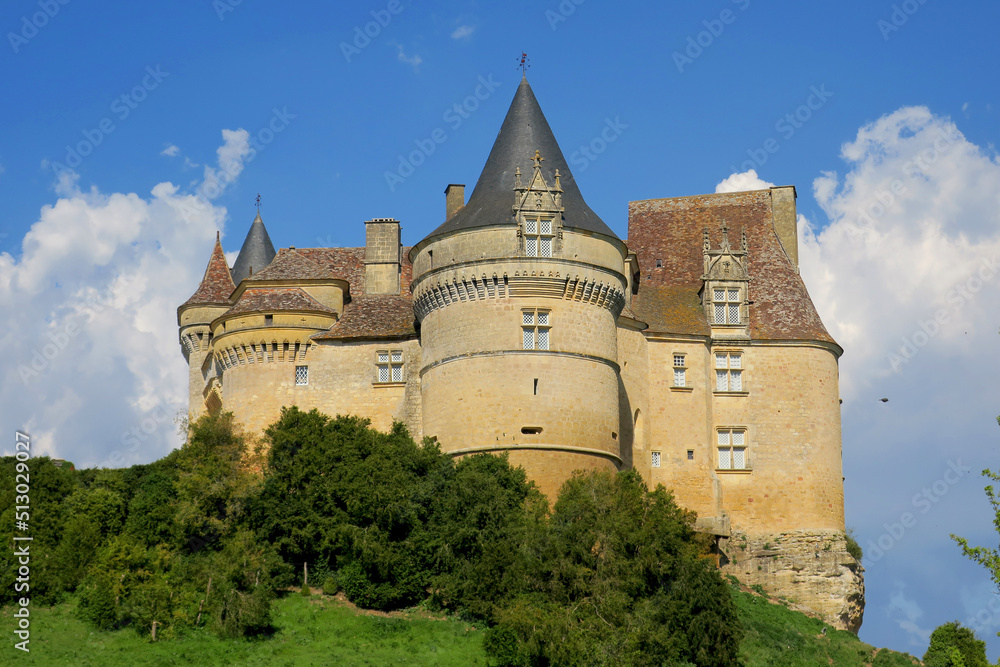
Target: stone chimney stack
454,197
783,217
383,252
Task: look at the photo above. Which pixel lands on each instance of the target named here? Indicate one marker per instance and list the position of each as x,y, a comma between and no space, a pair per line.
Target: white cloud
413,60
908,262
462,32
94,371
171,151
905,612
748,180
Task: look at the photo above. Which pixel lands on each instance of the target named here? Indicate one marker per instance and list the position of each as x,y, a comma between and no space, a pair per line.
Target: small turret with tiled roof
217,284
256,253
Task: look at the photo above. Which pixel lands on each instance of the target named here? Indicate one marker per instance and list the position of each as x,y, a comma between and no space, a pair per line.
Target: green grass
779,637
310,631
320,630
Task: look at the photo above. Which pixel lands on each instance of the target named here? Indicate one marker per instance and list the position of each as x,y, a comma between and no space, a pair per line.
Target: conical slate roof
257,251
217,284
524,131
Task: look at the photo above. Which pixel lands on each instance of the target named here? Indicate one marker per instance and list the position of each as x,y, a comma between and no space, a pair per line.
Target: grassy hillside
321,630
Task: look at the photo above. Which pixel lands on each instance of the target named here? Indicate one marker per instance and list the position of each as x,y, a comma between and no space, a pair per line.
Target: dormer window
538,237
726,305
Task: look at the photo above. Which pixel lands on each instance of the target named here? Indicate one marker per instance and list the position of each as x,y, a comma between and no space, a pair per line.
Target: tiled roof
671,309
671,230
217,284
259,299
375,316
290,264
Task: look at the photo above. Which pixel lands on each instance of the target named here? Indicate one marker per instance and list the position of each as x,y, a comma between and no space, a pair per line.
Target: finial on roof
258,201
524,65
538,159
216,235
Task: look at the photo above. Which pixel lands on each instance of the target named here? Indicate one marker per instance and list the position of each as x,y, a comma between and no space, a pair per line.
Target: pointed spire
524,131
217,284
257,251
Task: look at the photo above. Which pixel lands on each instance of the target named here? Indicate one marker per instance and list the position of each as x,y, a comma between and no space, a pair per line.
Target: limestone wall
342,380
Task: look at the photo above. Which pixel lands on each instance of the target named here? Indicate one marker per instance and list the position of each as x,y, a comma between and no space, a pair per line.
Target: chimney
383,254
454,199
783,218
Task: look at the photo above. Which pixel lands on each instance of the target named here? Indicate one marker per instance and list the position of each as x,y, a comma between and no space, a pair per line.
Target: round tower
194,318
517,295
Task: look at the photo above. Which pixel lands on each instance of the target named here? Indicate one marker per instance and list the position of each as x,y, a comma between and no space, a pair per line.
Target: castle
690,352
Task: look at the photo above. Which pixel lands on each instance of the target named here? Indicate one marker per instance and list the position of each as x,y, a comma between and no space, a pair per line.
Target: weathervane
524,63
258,201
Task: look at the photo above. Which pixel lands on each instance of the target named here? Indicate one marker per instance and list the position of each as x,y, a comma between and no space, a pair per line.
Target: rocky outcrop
811,570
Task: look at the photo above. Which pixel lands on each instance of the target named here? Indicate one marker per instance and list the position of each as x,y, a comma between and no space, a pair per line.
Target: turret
255,254
194,316
517,294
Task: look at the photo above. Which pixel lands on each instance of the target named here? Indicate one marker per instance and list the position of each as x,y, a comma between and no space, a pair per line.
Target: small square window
678,360
656,459
301,375
690,455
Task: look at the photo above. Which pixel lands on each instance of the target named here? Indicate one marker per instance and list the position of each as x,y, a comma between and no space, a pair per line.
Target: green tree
616,579
955,646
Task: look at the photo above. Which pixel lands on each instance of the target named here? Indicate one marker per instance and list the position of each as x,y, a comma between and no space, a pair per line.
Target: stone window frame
732,446
727,303
390,365
680,368
538,327
301,376
532,226
730,372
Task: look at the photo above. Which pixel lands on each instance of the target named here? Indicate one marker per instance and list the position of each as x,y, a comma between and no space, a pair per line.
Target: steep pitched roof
259,299
217,284
524,131
671,231
256,253
375,316
290,264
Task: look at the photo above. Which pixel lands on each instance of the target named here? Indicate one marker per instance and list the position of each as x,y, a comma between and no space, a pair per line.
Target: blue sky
130,133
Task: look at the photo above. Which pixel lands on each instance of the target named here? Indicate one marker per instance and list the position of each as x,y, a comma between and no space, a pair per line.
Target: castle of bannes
523,325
